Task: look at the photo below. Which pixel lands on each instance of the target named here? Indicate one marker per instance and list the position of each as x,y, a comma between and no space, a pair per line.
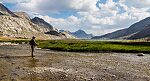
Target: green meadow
90,46
96,46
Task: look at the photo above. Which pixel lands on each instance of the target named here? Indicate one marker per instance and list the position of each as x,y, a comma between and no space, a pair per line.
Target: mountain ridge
128,33
19,24
5,11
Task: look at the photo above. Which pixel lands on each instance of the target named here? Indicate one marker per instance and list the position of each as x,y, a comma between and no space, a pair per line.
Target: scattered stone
17,67
140,54
38,48
91,79
23,42
8,43
13,80
85,79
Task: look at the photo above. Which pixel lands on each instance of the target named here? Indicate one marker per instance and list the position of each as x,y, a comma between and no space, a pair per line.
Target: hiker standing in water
33,44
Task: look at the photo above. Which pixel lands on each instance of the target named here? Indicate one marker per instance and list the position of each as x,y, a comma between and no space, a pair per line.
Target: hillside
23,15
142,34
129,33
19,24
112,35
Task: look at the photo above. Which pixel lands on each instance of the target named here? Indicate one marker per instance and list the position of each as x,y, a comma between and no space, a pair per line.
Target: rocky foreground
17,65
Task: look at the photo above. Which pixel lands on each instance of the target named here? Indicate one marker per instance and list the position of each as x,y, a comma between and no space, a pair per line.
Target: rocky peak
6,11
82,34
41,22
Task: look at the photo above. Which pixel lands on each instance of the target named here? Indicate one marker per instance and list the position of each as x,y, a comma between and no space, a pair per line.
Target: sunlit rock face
19,24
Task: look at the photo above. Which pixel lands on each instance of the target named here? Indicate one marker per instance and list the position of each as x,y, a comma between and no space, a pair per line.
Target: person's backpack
30,42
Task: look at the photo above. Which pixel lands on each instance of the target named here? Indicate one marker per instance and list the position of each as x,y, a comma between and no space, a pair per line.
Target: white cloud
99,21
71,23
97,24
148,10
137,3
107,17
56,6
139,13
15,1
73,19
84,5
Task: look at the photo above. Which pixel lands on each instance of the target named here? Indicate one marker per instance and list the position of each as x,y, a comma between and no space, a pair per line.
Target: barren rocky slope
20,25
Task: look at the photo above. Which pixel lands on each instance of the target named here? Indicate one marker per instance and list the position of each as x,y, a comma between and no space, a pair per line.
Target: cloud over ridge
95,16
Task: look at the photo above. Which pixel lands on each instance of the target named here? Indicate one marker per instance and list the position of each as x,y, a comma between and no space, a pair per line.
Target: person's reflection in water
33,64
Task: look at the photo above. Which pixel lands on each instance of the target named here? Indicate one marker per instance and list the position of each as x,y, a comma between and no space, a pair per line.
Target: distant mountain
49,28
19,24
82,34
133,32
67,34
112,35
64,31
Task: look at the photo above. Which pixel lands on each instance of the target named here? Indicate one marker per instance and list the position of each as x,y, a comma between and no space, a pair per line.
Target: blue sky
94,16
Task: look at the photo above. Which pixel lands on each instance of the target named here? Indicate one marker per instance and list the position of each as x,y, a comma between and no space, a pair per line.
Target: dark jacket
32,42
